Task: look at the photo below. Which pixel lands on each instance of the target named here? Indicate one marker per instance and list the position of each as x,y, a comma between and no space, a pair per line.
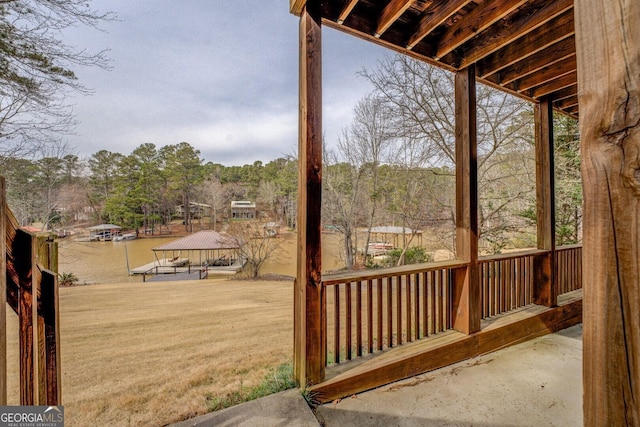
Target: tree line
141,190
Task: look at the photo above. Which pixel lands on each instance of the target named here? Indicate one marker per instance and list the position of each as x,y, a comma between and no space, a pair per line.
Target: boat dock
162,266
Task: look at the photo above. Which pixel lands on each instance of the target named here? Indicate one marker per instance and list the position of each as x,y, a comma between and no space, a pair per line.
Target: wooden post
545,289
3,293
608,59
466,310
309,297
22,254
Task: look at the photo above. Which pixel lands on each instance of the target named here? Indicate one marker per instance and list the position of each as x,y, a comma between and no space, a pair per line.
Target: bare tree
351,176
256,247
421,98
37,70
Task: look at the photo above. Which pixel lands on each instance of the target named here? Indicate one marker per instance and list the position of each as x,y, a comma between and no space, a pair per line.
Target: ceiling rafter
567,102
565,93
533,63
523,47
346,10
554,86
547,74
554,31
508,30
478,20
390,14
433,18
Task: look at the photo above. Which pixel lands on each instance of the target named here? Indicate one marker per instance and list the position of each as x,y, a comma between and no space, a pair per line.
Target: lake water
106,262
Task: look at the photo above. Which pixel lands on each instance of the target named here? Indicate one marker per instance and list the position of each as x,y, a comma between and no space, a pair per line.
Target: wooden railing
375,310
506,281
569,268
28,281
370,311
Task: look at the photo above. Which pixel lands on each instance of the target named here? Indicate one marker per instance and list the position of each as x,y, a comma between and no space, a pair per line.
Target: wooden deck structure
562,55
28,284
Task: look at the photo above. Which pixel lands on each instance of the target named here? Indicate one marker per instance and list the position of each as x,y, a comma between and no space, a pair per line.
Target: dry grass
149,354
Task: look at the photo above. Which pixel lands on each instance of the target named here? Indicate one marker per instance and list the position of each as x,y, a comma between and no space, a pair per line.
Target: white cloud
223,78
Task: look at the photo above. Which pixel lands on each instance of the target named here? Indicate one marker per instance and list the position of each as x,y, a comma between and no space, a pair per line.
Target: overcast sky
222,76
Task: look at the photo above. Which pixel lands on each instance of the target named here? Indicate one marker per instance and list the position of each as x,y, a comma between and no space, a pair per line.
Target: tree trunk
608,53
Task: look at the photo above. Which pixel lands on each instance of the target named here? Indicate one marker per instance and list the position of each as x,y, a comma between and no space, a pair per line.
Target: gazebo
203,248
104,231
579,58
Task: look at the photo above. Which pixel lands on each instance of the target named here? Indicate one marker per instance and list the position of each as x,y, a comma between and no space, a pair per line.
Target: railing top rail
352,276
512,255
568,247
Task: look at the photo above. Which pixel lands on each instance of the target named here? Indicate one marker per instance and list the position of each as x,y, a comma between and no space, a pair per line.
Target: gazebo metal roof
201,241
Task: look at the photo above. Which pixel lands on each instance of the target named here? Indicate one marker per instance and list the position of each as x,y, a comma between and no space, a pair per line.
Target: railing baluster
380,309
359,318
425,305
416,293
399,309
389,312
336,323
432,294
496,287
443,301
409,313
348,320
370,316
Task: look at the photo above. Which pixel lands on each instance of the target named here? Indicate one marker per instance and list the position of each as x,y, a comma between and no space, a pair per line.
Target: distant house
196,210
243,209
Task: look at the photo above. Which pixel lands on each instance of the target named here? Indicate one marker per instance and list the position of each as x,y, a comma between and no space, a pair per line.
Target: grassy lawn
149,354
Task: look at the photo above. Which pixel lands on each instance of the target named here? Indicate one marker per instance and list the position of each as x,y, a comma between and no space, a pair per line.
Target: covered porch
357,331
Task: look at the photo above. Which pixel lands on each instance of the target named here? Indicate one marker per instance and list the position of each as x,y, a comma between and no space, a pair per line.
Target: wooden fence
28,284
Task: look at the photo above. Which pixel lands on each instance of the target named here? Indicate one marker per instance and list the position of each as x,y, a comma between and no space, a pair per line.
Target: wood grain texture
608,57
466,310
3,293
309,297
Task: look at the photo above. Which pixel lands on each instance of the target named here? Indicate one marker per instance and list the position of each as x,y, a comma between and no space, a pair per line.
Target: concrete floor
536,383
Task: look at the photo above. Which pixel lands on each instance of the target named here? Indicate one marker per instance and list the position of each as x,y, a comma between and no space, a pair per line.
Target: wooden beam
607,46
566,103
555,53
392,11
478,20
3,293
432,19
510,29
309,298
568,92
346,10
547,74
544,291
555,30
554,85
466,309
297,6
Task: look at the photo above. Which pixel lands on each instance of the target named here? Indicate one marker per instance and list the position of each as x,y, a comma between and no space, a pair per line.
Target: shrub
67,279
